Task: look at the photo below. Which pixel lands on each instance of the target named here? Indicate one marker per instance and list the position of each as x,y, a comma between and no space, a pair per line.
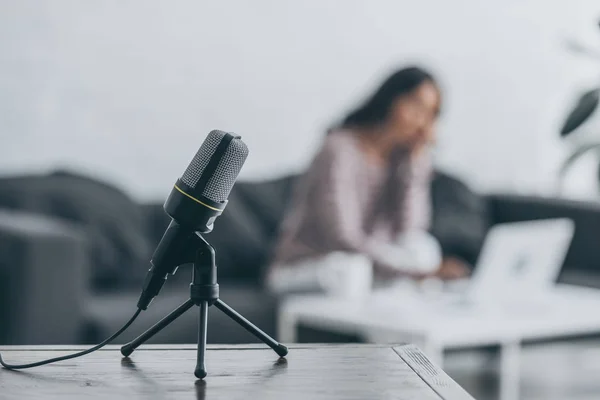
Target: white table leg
287,327
510,358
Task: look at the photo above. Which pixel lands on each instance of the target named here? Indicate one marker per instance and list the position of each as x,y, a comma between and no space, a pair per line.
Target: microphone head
215,167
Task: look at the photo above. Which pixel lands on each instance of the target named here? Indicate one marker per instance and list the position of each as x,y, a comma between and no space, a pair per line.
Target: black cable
70,356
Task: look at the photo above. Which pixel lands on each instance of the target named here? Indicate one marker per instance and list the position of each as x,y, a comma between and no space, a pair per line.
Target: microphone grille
192,174
230,162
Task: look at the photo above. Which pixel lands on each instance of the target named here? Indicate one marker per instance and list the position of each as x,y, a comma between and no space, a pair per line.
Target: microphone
195,202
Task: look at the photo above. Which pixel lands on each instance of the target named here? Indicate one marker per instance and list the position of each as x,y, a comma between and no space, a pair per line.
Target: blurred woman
363,206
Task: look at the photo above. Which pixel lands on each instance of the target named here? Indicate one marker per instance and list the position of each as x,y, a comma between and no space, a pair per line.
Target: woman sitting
363,207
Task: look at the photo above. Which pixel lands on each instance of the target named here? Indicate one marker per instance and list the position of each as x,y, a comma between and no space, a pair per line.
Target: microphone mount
204,292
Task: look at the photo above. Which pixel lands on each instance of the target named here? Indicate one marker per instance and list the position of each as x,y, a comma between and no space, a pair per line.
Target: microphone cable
75,355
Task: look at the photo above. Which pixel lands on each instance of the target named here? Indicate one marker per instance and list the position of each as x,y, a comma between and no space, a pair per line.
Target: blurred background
103,105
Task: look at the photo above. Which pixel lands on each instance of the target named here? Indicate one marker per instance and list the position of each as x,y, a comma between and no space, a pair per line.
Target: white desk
563,312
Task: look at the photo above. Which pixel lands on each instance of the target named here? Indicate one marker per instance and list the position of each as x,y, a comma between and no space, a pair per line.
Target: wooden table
235,372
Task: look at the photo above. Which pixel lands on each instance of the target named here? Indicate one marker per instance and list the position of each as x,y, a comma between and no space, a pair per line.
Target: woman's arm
425,253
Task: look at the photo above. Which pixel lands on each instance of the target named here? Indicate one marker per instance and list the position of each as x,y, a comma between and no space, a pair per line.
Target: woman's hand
452,268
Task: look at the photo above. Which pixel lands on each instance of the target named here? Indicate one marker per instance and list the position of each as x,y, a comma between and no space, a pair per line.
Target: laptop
521,259
518,261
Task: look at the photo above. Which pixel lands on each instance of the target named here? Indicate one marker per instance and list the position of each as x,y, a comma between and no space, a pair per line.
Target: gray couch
58,286
43,277
72,260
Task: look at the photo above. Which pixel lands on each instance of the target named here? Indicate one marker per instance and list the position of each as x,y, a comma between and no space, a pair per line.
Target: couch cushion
460,217
113,222
268,201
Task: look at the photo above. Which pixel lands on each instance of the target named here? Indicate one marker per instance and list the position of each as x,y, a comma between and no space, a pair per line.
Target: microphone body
195,202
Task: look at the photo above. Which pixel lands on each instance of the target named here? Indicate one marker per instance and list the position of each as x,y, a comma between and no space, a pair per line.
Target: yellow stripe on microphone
196,200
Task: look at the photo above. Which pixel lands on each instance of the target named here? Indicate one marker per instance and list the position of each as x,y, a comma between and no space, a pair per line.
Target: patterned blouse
347,202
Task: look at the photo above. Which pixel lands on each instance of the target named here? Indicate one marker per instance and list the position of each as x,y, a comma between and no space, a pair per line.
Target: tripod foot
281,350
200,373
127,349
130,347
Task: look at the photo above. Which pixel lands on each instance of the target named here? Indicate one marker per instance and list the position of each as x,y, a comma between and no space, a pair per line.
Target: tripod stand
204,292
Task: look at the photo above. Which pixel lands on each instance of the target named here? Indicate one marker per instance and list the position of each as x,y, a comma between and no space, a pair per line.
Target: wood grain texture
235,372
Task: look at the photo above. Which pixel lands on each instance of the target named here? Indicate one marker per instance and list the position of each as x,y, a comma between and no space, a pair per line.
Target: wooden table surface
234,372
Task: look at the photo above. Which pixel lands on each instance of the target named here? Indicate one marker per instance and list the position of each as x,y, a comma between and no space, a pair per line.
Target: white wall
128,89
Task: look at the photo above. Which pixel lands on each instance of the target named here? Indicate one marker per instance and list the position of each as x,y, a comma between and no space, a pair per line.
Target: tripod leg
200,371
127,349
280,349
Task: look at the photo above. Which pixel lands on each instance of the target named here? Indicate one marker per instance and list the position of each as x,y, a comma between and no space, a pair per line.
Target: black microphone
197,199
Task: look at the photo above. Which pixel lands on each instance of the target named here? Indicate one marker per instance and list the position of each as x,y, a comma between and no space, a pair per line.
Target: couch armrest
44,270
584,253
